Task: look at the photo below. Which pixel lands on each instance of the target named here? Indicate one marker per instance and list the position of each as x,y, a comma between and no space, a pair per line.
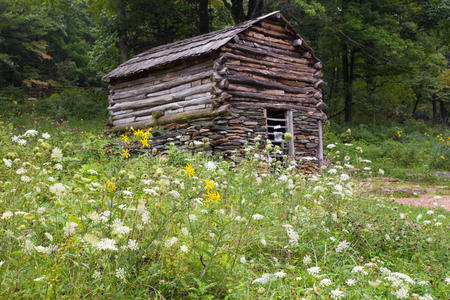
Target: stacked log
268,67
184,93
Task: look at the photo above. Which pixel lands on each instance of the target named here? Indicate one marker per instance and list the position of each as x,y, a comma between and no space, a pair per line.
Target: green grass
171,236
409,151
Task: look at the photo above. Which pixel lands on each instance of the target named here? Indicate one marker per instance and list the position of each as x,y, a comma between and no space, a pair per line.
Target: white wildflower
263,242
402,276
151,192
342,246
7,215
127,193
69,229
45,135
120,273
350,282
58,189
192,217
280,274
107,244
97,274
133,245
118,227
425,297
25,178
185,231
325,282
56,154
42,249
331,146
49,236
337,293
21,142
307,260
28,245
332,171
174,194
263,279
344,177
359,269
210,166
243,260
31,132
184,248
313,270
170,242
39,278
402,293
7,162
283,178
293,236
257,217
447,280
423,283
58,167
21,171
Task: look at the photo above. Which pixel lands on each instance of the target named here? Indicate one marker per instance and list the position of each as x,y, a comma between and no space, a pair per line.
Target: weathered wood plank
162,86
164,99
184,116
269,84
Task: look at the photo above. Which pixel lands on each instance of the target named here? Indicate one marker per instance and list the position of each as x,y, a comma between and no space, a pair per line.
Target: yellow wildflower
213,196
209,185
442,157
125,153
144,142
189,170
138,133
147,133
124,138
110,186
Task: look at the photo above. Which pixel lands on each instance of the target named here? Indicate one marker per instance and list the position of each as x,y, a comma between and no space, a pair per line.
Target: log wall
173,92
264,67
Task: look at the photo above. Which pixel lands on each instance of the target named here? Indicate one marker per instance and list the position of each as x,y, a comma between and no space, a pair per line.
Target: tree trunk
444,113
122,16
204,16
255,9
236,8
434,111
347,74
415,107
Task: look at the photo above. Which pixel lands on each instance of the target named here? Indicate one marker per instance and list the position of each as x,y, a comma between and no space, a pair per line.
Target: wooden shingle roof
195,46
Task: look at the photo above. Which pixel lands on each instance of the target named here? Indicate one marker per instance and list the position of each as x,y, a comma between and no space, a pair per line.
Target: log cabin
258,78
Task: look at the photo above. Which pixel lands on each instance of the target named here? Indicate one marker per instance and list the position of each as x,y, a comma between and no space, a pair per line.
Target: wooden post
290,129
320,150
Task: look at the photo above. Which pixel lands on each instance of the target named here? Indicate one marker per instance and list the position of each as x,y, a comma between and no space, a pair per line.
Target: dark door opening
279,122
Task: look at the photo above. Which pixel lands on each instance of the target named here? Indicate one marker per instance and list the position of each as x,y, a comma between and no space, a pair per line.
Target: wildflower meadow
83,216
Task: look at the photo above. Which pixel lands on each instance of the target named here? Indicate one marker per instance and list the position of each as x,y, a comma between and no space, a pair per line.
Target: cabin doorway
279,122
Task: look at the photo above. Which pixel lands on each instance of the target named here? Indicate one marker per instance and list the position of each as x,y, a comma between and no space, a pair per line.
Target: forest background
384,60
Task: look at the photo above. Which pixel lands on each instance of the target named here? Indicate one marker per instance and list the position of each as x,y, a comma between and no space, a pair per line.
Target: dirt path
427,201
410,193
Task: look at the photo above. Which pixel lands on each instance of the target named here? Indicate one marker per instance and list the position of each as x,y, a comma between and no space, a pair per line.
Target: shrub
74,103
